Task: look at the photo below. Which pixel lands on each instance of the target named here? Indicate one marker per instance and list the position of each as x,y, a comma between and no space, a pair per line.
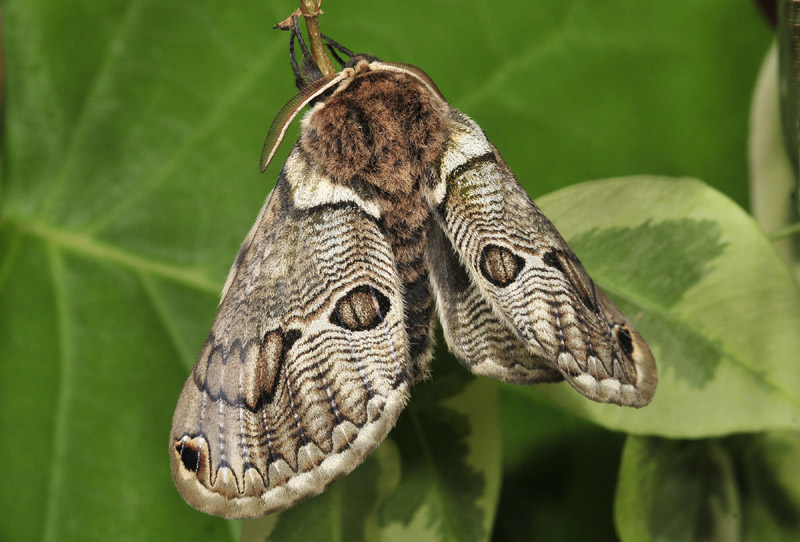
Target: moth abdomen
418,319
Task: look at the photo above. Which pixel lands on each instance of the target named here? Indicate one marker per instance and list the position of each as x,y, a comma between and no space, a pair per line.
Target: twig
310,11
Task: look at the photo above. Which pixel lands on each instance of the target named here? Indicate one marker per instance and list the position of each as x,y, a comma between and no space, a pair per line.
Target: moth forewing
389,197
530,279
305,369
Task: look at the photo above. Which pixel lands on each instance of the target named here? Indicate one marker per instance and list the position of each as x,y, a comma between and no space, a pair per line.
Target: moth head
313,85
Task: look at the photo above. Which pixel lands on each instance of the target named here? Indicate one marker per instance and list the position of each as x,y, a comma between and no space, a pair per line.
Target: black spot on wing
552,260
188,449
623,337
290,338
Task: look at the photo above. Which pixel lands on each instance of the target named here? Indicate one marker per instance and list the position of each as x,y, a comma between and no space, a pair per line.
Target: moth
391,206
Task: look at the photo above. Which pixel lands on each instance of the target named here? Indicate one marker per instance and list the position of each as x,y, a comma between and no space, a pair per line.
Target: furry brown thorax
383,127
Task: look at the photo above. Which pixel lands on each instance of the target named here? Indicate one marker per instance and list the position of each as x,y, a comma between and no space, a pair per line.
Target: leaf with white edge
706,290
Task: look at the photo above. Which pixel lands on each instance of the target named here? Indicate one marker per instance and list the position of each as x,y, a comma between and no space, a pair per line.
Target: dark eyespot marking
589,303
499,265
192,457
623,337
361,309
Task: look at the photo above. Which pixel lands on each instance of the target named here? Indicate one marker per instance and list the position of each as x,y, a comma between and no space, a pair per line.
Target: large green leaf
706,289
131,136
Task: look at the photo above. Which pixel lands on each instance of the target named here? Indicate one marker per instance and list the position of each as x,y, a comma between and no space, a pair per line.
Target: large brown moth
390,203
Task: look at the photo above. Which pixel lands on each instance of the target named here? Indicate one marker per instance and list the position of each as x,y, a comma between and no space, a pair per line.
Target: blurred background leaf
677,491
745,487
131,136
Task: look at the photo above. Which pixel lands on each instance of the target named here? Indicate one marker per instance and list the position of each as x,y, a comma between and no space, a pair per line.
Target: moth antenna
299,35
289,111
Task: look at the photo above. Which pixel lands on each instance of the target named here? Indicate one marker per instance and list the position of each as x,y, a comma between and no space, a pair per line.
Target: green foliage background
130,144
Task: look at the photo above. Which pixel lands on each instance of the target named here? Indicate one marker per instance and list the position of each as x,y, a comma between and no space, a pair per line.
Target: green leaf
531,424
559,474
707,291
769,466
130,141
671,490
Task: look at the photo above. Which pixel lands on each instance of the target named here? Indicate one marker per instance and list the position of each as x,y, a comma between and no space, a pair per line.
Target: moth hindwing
390,204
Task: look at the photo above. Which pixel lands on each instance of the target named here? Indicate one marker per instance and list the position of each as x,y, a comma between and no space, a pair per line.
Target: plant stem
310,10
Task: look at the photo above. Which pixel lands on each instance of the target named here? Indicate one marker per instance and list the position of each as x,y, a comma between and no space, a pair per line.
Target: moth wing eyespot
499,265
360,309
193,455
